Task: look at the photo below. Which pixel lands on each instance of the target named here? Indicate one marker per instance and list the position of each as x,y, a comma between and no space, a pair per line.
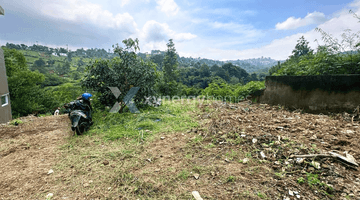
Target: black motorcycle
79,114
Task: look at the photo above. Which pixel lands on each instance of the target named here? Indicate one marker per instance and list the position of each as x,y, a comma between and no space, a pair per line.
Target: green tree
167,84
40,69
253,77
234,80
158,59
170,62
40,63
24,85
204,71
14,61
302,48
122,72
62,69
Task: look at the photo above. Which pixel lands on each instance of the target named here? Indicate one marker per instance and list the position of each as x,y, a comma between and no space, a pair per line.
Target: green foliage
66,92
123,72
234,80
158,59
170,117
322,63
312,179
15,61
189,91
184,174
302,48
23,84
202,76
233,93
300,180
52,80
39,63
28,91
16,121
219,89
335,57
62,69
261,195
167,88
231,179
168,85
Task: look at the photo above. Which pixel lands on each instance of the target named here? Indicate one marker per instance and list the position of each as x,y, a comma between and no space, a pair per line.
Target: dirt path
27,153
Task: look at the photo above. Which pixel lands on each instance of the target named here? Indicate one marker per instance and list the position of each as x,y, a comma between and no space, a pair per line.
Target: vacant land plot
236,151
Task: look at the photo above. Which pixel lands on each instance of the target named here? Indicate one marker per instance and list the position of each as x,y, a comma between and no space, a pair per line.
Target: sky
212,29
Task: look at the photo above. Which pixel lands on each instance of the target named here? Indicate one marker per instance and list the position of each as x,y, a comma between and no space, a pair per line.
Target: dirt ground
239,151
223,157
27,153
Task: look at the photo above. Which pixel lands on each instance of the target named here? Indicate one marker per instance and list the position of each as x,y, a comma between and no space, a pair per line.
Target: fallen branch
310,156
330,154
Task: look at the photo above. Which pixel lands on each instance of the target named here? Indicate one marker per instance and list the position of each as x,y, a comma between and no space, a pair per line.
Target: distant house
5,107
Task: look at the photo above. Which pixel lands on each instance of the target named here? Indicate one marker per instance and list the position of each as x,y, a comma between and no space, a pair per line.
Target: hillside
80,57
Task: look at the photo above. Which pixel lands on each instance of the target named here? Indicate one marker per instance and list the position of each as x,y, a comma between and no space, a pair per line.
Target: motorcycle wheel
80,129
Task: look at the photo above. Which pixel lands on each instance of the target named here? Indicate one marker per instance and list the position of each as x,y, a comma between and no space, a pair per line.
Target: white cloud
154,31
282,48
246,32
169,7
82,11
236,28
124,2
294,23
155,35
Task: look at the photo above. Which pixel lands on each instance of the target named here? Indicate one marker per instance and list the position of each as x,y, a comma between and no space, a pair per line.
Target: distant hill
83,57
254,65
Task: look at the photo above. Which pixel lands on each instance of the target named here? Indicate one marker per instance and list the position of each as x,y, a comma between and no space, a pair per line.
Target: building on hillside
5,107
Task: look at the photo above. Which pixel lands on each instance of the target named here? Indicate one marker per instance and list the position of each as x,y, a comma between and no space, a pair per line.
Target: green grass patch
230,179
184,174
16,121
168,118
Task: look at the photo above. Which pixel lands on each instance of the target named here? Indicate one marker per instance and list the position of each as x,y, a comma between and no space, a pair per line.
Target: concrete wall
5,112
316,94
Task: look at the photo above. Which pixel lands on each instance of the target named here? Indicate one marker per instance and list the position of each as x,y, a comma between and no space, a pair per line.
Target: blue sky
222,30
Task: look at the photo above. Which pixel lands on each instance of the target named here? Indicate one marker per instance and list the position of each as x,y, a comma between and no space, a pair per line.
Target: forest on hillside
40,56
56,76
41,78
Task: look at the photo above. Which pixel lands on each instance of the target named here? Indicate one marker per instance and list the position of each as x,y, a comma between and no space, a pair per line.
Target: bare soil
27,153
221,159
215,152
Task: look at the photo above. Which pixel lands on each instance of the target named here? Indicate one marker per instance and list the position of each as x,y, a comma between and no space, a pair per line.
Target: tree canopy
124,72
